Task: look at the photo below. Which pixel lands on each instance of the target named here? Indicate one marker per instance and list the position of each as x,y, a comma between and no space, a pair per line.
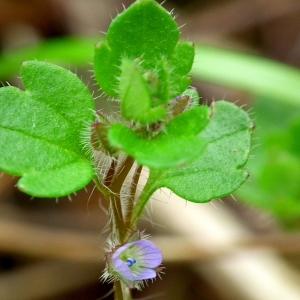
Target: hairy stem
122,226
132,192
126,292
111,173
122,292
142,201
115,198
118,291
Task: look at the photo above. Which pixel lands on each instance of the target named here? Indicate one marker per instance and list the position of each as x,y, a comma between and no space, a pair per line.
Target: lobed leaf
176,146
41,128
219,169
148,32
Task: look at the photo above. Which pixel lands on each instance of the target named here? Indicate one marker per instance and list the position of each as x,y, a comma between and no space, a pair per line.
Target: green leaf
181,63
176,146
159,81
107,69
183,58
146,31
135,95
219,169
189,123
41,129
61,90
57,182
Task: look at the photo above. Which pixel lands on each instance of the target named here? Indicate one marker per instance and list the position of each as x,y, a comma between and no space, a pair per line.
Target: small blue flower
137,261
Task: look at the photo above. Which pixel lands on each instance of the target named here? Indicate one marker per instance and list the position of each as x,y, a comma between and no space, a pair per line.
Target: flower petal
122,269
150,254
146,255
145,274
120,250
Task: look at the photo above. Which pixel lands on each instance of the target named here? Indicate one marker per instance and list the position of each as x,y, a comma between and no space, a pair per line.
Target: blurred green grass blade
253,74
63,51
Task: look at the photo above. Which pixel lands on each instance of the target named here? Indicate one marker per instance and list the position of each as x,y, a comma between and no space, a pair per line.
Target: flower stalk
132,259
